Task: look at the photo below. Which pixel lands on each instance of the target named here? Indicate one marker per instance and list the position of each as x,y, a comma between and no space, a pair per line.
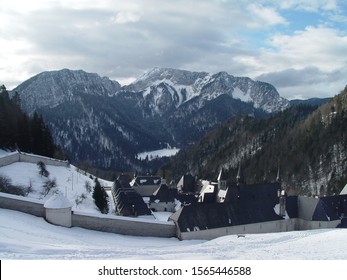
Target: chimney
282,201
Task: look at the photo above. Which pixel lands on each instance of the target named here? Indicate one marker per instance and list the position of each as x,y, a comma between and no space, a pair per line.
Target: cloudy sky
300,46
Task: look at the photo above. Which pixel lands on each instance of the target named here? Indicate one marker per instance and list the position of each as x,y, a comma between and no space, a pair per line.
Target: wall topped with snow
7,159
67,218
124,225
58,201
23,204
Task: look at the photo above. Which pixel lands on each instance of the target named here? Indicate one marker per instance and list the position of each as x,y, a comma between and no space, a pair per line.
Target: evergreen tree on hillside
100,197
19,131
42,142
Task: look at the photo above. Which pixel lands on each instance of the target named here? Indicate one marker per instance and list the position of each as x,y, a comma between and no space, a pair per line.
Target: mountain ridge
96,119
185,85
307,144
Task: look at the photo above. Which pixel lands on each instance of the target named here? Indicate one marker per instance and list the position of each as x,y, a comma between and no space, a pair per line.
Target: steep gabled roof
130,203
186,198
186,184
330,208
146,180
201,216
164,194
253,192
244,204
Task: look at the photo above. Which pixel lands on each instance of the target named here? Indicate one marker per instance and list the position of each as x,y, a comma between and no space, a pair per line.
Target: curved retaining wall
23,204
122,225
105,223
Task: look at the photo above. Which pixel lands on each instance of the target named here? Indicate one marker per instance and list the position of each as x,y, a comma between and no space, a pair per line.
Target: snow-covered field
69,180
23,236
167,152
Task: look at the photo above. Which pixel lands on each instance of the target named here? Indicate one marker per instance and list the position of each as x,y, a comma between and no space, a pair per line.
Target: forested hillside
19,131
308,144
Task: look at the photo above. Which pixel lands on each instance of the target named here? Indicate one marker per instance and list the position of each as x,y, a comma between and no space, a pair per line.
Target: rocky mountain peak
169,75
185,85
51,88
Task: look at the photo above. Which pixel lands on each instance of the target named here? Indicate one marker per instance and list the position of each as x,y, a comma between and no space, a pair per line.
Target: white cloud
309,5
322,47
264,16
309,62
122,39
125,17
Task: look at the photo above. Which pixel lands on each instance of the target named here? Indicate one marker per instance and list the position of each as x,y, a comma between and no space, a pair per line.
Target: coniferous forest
307,145
23,132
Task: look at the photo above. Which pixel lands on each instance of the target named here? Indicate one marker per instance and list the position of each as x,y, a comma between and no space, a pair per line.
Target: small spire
278,177
239,176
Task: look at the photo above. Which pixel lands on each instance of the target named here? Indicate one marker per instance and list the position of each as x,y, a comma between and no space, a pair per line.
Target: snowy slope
28,237
23,236
70,182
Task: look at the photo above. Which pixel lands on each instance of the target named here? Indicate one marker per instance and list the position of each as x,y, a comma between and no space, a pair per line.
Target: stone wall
24,157
105,223
306,207
123,225
18,203
7,160
265,227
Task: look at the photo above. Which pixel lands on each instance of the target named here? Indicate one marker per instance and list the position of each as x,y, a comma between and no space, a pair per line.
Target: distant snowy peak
51,88
182,84
158,75
179,86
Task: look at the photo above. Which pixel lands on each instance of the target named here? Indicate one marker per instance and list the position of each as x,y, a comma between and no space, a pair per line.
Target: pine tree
42,169
19,131
42,142
100,197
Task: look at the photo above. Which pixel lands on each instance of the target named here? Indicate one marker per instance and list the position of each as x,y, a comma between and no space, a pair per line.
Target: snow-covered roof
344,190
4,153
57,201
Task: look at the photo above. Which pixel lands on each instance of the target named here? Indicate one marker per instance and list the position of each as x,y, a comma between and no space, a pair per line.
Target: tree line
20,131
307,143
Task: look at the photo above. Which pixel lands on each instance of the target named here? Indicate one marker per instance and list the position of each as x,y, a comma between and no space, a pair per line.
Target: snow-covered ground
23,236
167,152
69,180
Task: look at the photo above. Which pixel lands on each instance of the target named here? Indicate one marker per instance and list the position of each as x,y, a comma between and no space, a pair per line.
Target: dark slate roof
124,180
128,202
292,206
330,208
147,180
244,204
343,223
186,184
186,198
200,216
253,192
164,194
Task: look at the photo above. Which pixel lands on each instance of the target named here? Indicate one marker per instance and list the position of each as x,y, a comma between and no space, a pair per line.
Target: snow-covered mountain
52,88
95,119
171,86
